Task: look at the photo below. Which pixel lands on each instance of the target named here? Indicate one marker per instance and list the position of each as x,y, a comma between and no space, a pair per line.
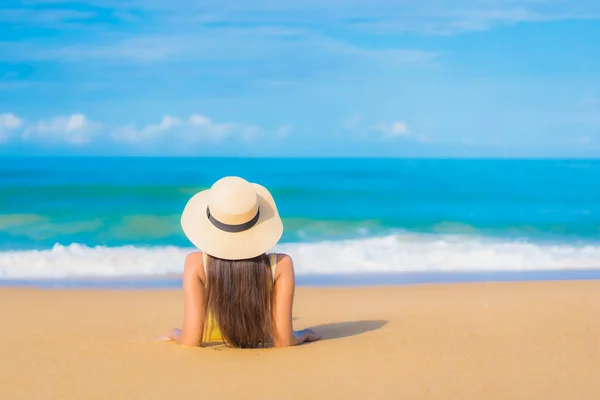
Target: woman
234,291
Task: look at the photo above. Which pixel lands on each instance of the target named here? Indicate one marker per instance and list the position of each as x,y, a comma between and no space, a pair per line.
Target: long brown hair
239,297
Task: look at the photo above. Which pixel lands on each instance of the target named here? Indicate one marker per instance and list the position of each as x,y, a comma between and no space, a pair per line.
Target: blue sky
475,78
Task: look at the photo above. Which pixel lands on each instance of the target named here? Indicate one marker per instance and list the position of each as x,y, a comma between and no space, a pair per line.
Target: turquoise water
64,216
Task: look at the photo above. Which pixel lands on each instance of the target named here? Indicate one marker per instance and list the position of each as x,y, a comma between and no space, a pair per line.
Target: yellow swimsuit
214,333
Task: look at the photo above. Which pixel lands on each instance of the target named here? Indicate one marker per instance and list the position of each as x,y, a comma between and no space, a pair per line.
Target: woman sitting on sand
234,291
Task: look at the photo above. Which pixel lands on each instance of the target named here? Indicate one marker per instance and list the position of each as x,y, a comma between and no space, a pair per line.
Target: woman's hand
305,336
170,336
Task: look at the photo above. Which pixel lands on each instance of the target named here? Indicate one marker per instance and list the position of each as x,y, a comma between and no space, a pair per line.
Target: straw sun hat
233,220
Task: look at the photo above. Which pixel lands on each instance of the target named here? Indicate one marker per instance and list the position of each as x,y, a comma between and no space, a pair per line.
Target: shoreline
361,280
519,340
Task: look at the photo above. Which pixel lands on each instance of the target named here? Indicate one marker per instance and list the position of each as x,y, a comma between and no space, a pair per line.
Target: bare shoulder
194,262
285,265
284,259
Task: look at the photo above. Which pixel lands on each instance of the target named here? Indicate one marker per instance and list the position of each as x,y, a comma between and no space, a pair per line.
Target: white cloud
78,130
152,132
166,123
199,120
8,122
389,15
382,130
207,127
76,122
267,35
217,131
284,131
277,45
196,127
75,129
399,128
394,129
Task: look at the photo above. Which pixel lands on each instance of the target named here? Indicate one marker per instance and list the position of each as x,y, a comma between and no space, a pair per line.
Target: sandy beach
475,341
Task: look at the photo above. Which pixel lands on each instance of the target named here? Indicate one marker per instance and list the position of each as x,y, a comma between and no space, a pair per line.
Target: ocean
346,220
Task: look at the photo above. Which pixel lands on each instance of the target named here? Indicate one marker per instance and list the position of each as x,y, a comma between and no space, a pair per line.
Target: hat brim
237,245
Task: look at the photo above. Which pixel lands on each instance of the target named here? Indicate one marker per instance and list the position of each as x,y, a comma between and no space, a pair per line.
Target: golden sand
474,341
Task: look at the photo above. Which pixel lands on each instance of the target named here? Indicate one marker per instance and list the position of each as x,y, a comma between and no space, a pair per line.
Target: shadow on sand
335,330
344,329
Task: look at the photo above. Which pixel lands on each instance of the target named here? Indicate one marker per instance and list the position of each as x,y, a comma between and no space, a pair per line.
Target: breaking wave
387,254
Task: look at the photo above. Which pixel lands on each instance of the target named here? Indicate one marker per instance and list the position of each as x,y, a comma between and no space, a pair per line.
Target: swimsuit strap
272,257
205,263
273,264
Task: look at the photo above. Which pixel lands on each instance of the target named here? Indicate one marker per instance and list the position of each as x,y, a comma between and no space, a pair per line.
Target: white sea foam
396,253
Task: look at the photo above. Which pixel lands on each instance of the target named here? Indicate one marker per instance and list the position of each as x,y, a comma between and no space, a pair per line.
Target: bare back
194,284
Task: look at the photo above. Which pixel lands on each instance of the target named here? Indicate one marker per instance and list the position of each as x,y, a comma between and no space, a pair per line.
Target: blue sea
346,220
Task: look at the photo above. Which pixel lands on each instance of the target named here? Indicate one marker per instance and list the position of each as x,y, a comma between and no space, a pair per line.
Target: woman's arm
285,285
193,291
